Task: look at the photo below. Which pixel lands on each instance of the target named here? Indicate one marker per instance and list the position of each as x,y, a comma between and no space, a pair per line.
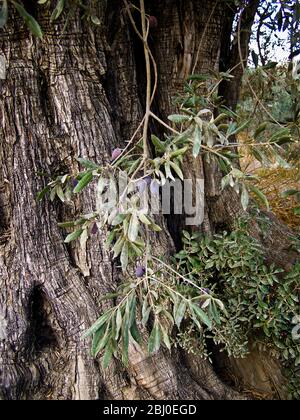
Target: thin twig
180,275
164,124
142,39
145,31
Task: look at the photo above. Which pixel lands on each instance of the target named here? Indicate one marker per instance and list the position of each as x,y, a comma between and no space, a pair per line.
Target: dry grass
273,182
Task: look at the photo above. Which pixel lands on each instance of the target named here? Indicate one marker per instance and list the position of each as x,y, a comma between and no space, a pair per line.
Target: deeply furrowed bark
80,93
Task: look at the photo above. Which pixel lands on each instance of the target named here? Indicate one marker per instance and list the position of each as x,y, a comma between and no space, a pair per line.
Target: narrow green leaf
88,164
3,14
97,340
282,162
132,310
260,195
179,152
220,118
220,304
134,166
281,133
262,127
58,10
177,170
138,251
53,194
240,128
110,296
143,218
179,313
201,315
154,339
134,331
245,197
169,174
110,239
66,224
223,165
73,236
155,227
125,341
124,257
118,219
145,306
118,246
260,156
225,181
166,338
197,141
101,185
41,194
289,193
32,24
107,356
98,324
168,316
95,20
215,313
178,119
85,180
60,193
146,315
100,345
209,265
195,319
119,321
158,144
133,229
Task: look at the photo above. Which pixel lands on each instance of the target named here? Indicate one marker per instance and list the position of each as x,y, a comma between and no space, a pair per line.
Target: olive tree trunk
80,93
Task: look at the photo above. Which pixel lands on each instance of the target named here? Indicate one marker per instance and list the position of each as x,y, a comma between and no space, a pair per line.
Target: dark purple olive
142,184
153,23
140,271
74,182
116,153
94,229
